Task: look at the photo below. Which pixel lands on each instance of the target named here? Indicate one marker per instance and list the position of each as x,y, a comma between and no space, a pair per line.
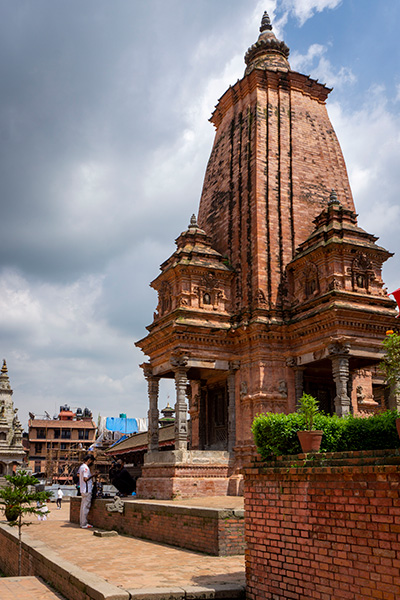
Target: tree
20,498
391,362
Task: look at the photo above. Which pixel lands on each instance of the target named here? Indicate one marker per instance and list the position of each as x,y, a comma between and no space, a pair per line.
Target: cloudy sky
104,133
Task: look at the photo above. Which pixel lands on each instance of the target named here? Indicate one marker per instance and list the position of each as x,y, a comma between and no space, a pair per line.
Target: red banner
396,295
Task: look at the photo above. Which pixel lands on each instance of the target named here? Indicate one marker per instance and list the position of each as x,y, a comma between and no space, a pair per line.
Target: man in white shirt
86,486
59,497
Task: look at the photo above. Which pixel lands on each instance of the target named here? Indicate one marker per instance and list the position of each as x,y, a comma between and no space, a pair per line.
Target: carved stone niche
210,292
362,273
164,299
310,281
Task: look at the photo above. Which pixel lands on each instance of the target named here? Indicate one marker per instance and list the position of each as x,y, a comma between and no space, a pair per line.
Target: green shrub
276,433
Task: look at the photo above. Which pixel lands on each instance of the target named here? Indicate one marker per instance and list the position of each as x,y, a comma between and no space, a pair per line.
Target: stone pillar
298,379
181,429
153,413
338,353
298,383
233,367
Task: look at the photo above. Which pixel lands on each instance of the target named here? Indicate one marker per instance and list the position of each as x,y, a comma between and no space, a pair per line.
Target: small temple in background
272,290
12,452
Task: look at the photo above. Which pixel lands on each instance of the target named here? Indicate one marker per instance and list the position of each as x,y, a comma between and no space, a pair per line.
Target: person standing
59,497
86,487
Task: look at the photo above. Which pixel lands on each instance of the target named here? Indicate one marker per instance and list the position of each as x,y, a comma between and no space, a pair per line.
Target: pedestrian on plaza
42,511
86,487
59,498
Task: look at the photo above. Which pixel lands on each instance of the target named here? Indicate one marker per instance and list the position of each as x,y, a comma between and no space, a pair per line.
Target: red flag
396,295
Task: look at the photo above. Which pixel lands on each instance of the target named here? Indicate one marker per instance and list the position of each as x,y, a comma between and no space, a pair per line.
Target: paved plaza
137,565
26,588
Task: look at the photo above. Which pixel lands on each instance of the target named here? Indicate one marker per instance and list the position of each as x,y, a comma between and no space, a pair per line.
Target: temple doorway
214,417
318,381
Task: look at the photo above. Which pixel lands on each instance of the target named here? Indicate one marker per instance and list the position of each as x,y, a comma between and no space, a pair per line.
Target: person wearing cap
86,487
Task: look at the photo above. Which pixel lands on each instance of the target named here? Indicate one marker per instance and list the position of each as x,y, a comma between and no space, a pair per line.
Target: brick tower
275,289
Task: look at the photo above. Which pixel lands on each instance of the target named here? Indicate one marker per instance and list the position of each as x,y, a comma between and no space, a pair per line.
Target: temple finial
265,23
4,367
333,199
193,221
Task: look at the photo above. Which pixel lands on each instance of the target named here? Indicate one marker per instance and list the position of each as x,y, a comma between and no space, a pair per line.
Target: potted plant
310,438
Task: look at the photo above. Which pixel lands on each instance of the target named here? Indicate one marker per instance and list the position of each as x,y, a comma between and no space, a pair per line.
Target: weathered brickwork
276,290
213,531
165,482
324,532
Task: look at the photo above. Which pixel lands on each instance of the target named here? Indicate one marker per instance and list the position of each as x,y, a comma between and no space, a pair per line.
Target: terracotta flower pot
310,441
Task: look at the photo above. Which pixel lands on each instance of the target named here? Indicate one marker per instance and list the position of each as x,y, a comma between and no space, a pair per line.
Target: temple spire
268,53
4,379
265,23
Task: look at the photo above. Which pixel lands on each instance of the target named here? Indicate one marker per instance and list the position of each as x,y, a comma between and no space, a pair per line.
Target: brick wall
326,532
213,531
41,561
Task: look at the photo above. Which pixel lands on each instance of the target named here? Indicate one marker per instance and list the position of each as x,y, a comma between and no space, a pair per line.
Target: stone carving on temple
282,389
165,303
310,281
362,273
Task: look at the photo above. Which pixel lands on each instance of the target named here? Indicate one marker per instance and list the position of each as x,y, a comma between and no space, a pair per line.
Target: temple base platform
212,525
188,473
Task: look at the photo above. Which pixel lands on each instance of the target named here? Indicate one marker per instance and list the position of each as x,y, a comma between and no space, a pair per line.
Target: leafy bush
276,433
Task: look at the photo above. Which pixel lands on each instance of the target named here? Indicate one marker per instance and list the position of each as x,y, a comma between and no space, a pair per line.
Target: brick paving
135,563
26,588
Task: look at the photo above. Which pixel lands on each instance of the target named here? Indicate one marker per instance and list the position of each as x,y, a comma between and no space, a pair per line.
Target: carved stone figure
116,506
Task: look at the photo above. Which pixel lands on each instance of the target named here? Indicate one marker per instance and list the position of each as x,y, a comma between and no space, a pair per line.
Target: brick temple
273,289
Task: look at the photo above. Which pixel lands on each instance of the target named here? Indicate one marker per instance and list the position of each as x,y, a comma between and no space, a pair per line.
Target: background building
57,446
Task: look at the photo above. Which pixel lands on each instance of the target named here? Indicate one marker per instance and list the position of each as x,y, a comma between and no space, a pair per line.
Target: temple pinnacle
265,23
193,221
333,199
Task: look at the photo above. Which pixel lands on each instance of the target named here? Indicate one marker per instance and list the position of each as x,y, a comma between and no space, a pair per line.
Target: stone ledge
181,509
155,593
229,591
327,462
90,585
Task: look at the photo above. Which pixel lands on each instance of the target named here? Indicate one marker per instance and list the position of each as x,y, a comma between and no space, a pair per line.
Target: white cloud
397,93
305,9
69,349
370,139
319,67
